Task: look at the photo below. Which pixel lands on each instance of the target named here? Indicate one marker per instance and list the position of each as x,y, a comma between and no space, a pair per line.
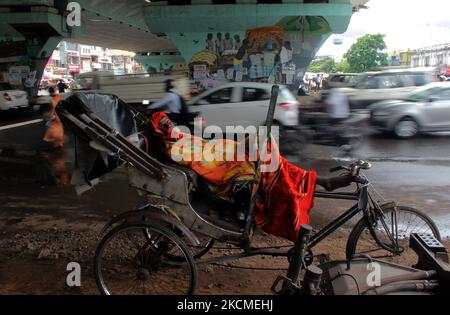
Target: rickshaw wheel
206,243
127,262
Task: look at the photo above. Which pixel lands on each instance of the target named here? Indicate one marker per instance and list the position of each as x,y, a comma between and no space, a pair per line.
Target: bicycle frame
339,221
363,198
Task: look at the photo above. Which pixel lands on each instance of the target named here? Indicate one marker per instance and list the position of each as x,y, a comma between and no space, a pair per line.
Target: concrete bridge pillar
31,33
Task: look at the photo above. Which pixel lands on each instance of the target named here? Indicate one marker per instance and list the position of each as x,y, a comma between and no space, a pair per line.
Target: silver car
427,109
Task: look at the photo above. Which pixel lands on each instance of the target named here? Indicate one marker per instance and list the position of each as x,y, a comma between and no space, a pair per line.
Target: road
415,172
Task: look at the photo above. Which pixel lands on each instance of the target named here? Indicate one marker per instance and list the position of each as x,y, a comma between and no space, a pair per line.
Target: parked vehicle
425,110
11,98
386,85
245,104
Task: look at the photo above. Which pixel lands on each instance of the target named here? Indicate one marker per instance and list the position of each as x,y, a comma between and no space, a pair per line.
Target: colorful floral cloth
285,194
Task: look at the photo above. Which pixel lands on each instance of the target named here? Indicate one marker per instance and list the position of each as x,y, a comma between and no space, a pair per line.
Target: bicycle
380,223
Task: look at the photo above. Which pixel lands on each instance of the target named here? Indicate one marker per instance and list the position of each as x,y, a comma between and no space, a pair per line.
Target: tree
367,53
326,65
343,66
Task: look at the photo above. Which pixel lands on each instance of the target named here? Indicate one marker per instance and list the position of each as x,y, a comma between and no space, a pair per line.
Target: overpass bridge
31,29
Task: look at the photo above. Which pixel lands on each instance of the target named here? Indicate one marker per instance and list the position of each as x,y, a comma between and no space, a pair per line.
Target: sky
406,23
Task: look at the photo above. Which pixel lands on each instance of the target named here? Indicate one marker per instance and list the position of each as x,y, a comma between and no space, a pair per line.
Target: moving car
244,104
425,110
11,98
386,85
340,80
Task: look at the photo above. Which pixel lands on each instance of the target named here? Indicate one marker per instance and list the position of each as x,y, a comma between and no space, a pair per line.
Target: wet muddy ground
43,227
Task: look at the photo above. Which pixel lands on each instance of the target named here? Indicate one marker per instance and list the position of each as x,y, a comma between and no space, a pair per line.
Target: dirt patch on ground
35,261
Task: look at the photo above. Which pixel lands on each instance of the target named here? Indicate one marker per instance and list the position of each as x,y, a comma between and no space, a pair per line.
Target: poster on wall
238,76
200,72
17,74
14,77
30,81
230,73
220,75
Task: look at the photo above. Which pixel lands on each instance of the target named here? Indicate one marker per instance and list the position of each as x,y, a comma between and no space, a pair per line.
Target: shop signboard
74,68
56,55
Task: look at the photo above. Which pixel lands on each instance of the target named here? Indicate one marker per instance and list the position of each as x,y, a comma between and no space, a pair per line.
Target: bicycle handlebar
353,168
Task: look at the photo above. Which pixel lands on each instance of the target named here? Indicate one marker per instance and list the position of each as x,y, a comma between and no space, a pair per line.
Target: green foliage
326,65
367,53
343,66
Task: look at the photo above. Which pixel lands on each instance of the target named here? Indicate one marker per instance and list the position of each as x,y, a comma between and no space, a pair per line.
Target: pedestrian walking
55,131
62,87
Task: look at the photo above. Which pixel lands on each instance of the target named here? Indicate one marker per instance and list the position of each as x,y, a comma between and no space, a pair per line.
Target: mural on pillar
264,54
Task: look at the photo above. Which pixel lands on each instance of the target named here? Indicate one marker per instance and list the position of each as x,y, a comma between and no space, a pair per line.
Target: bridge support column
29,42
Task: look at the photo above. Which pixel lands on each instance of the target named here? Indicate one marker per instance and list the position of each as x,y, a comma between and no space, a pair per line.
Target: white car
11,98
373,87
244,104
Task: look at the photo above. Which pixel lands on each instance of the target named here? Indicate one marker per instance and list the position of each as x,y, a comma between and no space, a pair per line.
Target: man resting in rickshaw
286,192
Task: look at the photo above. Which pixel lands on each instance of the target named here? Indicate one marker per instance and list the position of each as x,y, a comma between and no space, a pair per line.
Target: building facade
434,56
73,58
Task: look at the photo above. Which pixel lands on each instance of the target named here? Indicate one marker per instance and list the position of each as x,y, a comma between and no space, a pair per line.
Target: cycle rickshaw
154,248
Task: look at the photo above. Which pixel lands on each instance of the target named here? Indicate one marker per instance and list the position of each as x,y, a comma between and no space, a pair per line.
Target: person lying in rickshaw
286,192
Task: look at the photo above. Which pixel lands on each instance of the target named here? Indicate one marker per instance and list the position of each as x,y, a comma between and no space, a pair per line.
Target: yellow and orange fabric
285,195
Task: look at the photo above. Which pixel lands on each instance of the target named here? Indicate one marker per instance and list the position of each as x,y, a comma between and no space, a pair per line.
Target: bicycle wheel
126,262
399,223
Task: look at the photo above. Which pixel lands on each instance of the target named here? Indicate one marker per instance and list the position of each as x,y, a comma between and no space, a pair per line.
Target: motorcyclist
173,100
337,106
175,103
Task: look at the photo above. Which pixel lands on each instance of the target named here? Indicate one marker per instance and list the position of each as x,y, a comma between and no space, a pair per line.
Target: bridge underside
31,29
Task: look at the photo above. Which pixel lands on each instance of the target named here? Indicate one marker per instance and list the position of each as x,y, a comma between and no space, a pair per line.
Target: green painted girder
239,17
57,23
155,60
117,11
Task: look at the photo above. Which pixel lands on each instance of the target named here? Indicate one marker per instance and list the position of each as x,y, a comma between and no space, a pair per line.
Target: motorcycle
317,128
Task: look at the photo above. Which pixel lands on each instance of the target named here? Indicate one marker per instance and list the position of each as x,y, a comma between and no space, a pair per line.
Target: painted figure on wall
219,44
227,42
209,42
